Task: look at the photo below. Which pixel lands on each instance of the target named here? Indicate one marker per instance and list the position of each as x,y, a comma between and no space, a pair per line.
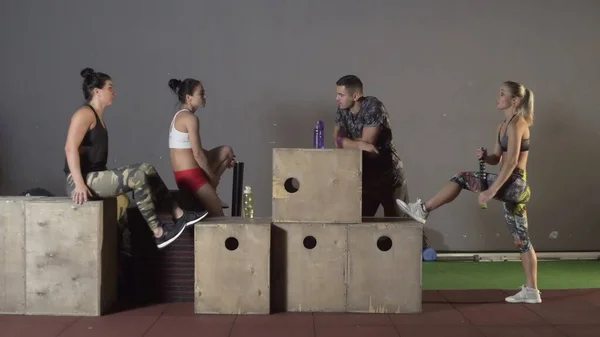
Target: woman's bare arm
192,125
81,122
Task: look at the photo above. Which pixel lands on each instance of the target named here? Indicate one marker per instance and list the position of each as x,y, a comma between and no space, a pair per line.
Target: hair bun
174,84
87,72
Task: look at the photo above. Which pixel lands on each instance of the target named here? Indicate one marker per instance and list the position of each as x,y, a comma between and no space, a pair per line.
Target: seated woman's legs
220,158
195,181
159,191
210,200
132,178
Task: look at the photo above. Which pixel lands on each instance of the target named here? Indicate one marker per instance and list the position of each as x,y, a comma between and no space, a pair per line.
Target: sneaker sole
407,211
524,301
166,243
193,222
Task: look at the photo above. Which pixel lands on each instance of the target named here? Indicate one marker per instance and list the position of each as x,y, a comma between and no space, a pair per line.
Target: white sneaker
416,210
526,295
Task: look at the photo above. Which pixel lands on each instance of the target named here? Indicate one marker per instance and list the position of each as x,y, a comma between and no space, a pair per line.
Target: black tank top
94,154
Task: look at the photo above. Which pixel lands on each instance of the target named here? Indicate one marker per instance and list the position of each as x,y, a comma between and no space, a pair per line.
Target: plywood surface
65,251
328,183
388,280
232,266
310,274
12,254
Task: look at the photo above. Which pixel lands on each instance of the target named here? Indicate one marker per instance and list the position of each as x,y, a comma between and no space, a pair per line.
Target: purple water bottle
318,136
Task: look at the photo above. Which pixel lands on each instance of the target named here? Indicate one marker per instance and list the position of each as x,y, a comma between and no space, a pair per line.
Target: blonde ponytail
526,108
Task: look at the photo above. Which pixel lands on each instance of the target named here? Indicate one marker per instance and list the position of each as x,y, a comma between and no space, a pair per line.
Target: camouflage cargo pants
143,179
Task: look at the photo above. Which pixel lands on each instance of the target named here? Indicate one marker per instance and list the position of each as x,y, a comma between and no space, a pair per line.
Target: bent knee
137,178
147,168
226,152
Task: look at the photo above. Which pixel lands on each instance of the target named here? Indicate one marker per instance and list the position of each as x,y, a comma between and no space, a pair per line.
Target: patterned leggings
142,179
514,194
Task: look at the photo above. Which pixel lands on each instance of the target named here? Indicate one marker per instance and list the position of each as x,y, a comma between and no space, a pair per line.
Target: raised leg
220,158
470,181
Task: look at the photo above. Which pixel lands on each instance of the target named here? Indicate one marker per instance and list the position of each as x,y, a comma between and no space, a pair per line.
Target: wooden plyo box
12,254
232,266
384,266
317,185
309,267
60,258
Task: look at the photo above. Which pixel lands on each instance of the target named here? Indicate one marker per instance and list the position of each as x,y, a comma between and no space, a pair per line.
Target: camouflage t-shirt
386,167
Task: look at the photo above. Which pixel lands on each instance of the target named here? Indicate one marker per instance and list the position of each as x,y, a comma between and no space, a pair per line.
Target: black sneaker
190,218
170,234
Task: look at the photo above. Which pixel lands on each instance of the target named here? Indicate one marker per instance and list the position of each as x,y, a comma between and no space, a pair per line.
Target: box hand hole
384,243
309,242
291,185
231,243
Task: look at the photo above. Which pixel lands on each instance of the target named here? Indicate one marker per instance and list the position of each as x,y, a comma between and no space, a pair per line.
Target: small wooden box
317,185
384,266
63,257
232,266
309,267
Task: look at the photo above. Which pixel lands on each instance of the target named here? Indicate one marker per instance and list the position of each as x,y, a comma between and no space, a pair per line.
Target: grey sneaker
526,295
415,210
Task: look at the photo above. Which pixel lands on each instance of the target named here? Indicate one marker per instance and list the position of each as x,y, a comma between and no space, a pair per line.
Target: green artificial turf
509,275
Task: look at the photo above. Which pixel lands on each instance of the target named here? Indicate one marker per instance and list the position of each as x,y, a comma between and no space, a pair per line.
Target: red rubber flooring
574,313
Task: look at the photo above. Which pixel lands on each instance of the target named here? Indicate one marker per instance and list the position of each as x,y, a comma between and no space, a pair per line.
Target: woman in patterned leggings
509,186
87,176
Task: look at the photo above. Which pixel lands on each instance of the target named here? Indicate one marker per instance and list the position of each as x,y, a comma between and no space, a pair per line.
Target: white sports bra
178,139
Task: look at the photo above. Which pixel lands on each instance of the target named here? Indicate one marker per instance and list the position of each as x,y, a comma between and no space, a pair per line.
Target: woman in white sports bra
196,170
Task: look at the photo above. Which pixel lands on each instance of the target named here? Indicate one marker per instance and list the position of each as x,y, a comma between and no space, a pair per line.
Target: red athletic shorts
191,179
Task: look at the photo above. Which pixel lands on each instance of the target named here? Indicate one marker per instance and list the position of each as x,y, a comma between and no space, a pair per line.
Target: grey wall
270,68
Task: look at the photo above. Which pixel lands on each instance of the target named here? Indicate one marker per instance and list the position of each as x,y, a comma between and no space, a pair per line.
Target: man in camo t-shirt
363,122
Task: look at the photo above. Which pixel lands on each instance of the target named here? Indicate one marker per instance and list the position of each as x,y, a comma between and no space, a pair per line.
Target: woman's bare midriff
522,161
183,159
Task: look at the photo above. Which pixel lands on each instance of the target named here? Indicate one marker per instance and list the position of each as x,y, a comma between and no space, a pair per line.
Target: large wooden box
309,267
317,185
60,258
384,266
232,266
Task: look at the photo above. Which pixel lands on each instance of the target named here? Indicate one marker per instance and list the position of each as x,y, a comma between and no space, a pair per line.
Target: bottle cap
247,189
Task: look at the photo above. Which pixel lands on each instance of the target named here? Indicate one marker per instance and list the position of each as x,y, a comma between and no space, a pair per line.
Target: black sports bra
504,140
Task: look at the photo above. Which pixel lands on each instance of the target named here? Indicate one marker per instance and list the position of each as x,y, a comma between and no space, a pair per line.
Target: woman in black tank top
508,186
87,175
